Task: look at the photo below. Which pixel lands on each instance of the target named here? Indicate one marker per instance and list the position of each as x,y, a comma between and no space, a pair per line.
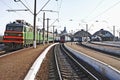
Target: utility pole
43,27
114,33
86,27
34,33
39,36
86,32
47,29
35,14
53,34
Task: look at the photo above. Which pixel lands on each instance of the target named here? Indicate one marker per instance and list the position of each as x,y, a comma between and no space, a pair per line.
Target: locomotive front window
14,28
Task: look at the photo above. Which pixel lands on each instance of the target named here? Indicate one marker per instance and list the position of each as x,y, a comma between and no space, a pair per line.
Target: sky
73,14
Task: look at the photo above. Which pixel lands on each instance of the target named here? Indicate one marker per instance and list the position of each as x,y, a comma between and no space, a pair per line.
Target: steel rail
80,64
56,61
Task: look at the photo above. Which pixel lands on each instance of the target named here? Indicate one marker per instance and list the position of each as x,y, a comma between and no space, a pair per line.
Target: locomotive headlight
19,34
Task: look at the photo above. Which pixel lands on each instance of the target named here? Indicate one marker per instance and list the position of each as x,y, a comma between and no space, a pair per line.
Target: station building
82,35
104,35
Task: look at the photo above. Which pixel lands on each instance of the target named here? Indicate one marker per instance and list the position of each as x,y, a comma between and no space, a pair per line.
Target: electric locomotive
19,34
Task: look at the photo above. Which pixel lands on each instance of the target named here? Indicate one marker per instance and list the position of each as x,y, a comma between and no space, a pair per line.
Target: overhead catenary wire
24,2
10,7
106,10
58,10
59,7
5,4
28,5
43,7
97,6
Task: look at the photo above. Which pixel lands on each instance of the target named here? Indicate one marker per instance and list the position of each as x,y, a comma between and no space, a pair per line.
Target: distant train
19,34
64,38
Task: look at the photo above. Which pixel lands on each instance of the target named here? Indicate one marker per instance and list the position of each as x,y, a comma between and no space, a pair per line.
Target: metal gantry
34,22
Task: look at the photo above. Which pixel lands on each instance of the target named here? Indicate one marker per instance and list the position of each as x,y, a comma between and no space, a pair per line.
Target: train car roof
14,24
19,24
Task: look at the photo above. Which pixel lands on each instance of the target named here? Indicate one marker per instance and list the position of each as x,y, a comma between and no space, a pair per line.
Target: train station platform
104,63
15,65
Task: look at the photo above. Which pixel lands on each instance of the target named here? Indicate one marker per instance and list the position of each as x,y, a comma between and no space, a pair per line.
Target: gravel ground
44,69
97,55
16,66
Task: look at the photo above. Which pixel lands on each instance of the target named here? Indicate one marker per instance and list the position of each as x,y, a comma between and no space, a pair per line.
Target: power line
59,7
28,5
94,9
43,6
106,10
9,6
60,4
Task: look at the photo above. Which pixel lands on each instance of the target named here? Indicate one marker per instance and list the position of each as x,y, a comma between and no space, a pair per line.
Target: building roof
103,33
81,33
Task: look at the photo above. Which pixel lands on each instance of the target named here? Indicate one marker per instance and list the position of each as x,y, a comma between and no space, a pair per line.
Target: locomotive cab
13,35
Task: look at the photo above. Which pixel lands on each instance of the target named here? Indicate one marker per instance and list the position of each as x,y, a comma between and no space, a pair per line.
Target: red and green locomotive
19,34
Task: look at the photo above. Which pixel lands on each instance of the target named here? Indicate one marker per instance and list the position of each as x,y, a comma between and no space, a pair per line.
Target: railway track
106,49
69,68
111,43
107,46
6,51
112,55
3,49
